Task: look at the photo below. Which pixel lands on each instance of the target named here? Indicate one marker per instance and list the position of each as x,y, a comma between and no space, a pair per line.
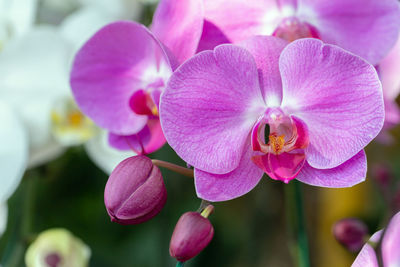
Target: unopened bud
351,233
192,234
135,191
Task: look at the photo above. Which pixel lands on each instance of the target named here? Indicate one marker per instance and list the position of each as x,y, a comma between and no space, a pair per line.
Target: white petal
13,151
78,27
33,74
17,16
104,156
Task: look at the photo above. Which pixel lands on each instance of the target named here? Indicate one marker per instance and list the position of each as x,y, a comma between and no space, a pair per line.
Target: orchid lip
281,141
142,103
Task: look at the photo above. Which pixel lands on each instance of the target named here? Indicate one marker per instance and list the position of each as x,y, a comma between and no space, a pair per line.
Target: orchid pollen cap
135,191
351,233
191,235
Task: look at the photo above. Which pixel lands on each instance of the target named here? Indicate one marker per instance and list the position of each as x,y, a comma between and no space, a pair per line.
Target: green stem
296,223
22,227
180,264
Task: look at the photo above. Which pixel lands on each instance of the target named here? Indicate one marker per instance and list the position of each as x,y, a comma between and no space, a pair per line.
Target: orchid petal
367,255
78,27
367,28
388,70
242,19
118,60
349,173
103,155
336,94
178,25
209,107
148,140
391,243
222,187
266,51
13,151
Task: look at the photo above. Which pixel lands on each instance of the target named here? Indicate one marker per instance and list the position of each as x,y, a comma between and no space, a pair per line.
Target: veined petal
209,107
367,28
13,151
338,96
239,19
222,187
118,60
347,174
266,51
391,243
103,155
178,25
148,140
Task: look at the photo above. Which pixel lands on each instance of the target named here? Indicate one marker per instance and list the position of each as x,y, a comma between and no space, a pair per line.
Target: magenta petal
178,24
368,28
336,94
148,140
214,187
211,37
266,51
209,107
283,167
118,60
391,242
347,174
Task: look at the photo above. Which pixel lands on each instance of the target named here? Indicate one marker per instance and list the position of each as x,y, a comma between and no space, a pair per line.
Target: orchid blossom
367,28
119,74
303,111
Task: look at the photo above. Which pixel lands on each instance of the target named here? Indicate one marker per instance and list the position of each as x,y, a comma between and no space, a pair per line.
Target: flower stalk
173,167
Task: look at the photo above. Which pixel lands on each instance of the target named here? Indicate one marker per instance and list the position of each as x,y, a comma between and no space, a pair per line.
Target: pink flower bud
192,234
350,233
135,191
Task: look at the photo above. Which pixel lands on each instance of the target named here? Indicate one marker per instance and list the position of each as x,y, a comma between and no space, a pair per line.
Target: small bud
351,233
56,248
192,234
135,191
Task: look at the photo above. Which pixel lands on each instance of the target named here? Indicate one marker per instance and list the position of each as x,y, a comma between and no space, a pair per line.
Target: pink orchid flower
300,111
389,249
118,75
367,28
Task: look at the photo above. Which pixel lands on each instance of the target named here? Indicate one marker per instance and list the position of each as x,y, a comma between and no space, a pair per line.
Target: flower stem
296,222
302,241
180,264
170,166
